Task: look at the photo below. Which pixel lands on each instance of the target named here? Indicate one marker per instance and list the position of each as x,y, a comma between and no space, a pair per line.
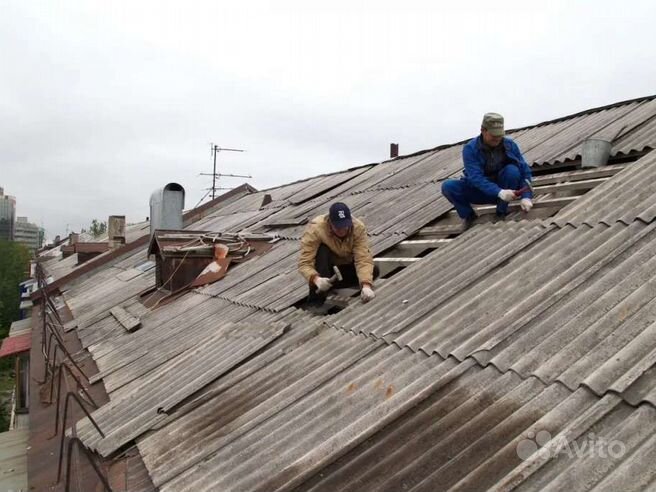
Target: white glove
526,204
507,195
323,284
367,293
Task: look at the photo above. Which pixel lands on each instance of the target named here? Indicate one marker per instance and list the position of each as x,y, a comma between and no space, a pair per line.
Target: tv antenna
215,149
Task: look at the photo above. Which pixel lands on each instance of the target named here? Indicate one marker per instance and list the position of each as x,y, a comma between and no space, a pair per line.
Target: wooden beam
416,246
514,206
587,184
579,175
440,230
396,262
386,265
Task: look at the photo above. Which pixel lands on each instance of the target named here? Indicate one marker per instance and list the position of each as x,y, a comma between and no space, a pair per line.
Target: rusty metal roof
16,344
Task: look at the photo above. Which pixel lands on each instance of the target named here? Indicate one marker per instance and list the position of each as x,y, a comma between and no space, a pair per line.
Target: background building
7,216
28,234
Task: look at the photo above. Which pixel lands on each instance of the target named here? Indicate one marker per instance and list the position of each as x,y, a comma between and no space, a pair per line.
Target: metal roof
16,344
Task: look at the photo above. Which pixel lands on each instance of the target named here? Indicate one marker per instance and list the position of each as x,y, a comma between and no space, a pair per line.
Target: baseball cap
493,122
340,215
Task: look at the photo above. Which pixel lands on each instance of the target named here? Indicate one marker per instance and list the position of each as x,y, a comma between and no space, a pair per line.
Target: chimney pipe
595,152
394,150
116,231
73,238
166,206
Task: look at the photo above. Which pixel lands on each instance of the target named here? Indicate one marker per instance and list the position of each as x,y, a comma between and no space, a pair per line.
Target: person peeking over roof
336,239
495,173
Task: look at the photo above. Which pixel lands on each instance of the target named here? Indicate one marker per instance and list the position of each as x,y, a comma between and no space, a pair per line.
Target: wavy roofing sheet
315,429
248,403
627,196
576,306
479,432
132,413
392,396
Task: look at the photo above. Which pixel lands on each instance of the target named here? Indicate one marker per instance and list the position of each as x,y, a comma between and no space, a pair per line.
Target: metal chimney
166,206
394,150
595,152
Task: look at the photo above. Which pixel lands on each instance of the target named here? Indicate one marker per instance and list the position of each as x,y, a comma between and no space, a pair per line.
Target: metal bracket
82,447
63,433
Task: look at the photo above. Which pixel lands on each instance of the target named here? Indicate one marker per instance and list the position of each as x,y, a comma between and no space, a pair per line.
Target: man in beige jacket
336,239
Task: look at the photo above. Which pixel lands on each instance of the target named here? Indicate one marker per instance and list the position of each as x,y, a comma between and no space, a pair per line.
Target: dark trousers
461,194
323,264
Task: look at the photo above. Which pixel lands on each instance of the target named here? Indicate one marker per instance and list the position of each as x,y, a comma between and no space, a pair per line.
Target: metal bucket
595,153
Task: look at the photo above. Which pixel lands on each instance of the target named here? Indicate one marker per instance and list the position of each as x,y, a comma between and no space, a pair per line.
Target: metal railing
52,344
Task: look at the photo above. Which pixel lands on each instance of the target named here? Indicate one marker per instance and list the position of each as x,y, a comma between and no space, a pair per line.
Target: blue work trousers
462,195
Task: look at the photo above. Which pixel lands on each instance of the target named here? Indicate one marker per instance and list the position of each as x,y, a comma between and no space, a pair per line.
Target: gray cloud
104,102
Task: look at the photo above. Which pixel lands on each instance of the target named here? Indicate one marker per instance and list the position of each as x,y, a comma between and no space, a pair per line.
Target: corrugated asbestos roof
625,199
586,319
162,389
466,436
508,330
13,460
288,446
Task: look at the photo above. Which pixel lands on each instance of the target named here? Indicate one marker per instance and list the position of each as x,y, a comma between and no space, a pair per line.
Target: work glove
507,195
323,284
367,293
526,204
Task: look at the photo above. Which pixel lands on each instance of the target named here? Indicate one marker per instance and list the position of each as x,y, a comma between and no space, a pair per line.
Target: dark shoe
468,222
501,216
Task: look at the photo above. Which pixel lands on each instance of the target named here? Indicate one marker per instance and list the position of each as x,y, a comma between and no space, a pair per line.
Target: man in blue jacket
494,169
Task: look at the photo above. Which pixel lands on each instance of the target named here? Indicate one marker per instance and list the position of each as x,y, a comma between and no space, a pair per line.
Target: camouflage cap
493,122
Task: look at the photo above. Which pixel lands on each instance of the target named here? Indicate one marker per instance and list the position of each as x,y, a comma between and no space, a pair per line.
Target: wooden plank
125,319
431,243
416,246
445,230
579,175
587,184
515,207
396,262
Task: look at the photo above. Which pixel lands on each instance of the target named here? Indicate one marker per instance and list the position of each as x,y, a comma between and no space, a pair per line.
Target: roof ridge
446,146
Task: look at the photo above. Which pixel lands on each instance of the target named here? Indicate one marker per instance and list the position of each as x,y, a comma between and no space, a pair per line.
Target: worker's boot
468,222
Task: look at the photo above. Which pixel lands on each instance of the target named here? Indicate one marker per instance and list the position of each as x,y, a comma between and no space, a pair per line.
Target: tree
97,228
14,268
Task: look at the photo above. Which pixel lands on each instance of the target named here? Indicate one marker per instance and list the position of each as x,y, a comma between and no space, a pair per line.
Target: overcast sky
103,102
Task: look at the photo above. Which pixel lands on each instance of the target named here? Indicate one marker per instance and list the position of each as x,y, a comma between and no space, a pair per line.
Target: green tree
14,267
97,228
